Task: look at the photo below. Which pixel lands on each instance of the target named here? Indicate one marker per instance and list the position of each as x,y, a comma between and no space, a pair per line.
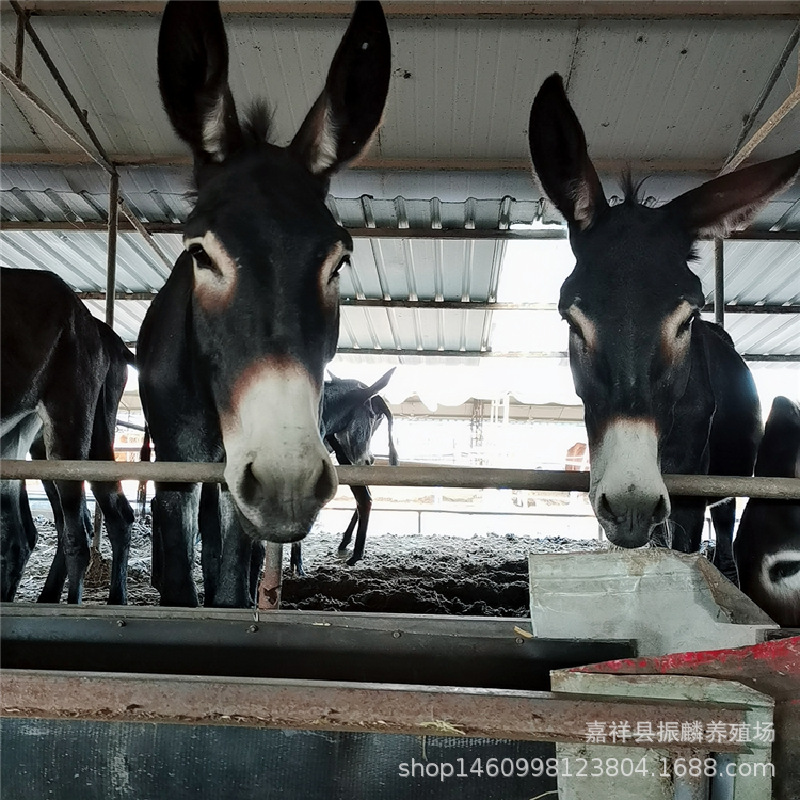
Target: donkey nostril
661,511
326,484
248,487
605,507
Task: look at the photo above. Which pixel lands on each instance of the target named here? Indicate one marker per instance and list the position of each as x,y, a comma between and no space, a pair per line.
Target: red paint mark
780,657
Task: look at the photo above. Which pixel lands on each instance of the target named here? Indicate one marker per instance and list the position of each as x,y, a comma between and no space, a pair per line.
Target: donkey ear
381,382
339,126
731,201
193,78
560,156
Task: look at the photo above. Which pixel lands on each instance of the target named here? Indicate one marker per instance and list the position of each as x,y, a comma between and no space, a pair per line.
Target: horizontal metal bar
789,358
417,475
331,706
461,234
460,305
605,166
10,79
713,10
391,648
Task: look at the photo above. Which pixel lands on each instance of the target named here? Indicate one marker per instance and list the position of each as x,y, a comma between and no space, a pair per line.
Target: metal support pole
111,274
9,77
269,587
79,113
22,19
137,224
719,282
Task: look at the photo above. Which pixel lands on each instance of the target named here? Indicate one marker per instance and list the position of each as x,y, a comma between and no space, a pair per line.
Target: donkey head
630,303
352,412
266,255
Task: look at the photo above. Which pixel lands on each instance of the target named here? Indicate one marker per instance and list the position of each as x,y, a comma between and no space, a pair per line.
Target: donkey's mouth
274,530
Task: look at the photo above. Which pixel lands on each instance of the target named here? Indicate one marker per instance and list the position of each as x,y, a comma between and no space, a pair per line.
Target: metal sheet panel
460,88
755,272
80,258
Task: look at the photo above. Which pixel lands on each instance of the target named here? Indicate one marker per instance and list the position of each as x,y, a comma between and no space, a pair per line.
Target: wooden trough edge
346,707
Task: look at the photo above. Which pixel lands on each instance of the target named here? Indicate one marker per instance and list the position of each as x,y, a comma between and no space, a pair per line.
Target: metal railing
416,475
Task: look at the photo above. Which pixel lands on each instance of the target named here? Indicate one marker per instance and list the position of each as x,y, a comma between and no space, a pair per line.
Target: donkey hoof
342,553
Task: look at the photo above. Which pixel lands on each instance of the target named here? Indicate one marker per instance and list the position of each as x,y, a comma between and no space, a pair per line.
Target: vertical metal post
269,587
111,274
719,282
22,20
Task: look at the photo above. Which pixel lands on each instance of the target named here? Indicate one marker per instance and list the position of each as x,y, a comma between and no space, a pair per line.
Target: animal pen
581,699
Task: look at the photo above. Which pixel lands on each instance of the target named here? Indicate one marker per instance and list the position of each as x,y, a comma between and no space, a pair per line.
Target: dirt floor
483,575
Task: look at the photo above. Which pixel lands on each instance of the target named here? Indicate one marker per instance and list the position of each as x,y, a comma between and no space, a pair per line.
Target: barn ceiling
444,206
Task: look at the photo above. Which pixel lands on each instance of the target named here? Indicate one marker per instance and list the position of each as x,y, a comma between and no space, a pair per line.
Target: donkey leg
363,507
296,560
17,537
118,517
723,516
686,522
211,540
175,511
76,542
57,575
348,534
237,554
256,563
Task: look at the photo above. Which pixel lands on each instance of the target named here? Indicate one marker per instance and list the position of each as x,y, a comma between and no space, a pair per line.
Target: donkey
233,348
663,390
767,546
62,372
351,413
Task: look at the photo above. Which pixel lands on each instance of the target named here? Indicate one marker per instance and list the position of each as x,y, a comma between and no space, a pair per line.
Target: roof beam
363,351
405,9
610,166
515,234
458,305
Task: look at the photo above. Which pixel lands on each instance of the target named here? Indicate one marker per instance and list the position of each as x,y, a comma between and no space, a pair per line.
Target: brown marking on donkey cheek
585,325
214,289
673,349
328,294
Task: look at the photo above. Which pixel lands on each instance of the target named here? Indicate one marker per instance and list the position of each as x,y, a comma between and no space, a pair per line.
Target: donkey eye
685,326
344,261
573,328
201,258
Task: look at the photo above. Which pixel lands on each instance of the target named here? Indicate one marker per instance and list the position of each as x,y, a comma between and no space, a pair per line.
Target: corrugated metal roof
460,88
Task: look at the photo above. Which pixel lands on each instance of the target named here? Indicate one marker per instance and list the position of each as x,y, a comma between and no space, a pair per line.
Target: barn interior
458,259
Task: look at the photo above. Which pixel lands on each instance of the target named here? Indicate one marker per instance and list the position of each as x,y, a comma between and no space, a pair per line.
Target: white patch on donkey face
782,588
277,467
627,491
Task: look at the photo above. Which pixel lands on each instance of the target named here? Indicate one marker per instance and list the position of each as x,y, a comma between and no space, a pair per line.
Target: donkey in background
63,373
767,546
351,413
663,390
233,349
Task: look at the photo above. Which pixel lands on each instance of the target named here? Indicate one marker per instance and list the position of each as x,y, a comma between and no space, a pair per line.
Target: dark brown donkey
767,545
62,373
663,390
233,349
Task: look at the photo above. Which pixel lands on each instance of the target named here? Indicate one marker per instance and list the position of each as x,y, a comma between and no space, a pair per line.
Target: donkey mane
631,190
257,124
